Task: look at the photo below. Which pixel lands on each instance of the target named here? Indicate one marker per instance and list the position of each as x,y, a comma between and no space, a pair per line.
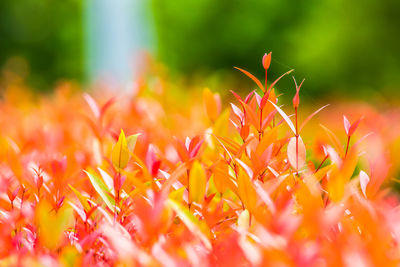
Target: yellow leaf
244,220
70,256
197,183
177,195
221,124
120,153
82,199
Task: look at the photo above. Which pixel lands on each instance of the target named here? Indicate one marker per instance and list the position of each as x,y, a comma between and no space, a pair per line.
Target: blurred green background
43,38
343,47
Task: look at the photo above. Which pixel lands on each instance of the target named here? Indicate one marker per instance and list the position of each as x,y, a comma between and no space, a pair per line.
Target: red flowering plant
245,185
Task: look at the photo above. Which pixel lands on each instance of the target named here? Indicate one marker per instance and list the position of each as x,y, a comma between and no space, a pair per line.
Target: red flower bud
266,61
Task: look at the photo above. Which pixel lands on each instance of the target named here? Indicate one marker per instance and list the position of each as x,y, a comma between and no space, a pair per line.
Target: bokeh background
342,47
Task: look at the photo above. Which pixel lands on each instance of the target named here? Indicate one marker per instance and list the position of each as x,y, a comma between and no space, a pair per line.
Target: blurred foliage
42,38
335,44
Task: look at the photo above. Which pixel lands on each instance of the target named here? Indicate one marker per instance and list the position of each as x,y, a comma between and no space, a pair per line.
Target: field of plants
166,176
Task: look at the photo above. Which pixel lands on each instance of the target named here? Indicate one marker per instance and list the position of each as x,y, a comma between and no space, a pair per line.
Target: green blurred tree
335,44
48,34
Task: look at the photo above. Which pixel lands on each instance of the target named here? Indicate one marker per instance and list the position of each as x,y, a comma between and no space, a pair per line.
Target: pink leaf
258,98
285,117
92,104
334,156
346,124
364,180
237,111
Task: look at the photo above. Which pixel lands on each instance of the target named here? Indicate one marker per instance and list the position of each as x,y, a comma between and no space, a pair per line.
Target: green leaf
102,190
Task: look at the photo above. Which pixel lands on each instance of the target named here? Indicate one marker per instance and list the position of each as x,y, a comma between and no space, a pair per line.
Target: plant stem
320,165
297,143
347,146
188,176
260,132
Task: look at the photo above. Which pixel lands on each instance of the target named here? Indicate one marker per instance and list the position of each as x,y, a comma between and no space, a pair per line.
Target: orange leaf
212,104
246,191
251,76
333,138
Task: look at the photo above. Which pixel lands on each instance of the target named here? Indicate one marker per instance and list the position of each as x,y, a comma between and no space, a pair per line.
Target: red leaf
236,96
12,195
193,151
107,105
296,98
264,100
250,114
354,126
246,100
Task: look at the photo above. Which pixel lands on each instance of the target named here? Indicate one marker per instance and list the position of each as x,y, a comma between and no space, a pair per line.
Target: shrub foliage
149,179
